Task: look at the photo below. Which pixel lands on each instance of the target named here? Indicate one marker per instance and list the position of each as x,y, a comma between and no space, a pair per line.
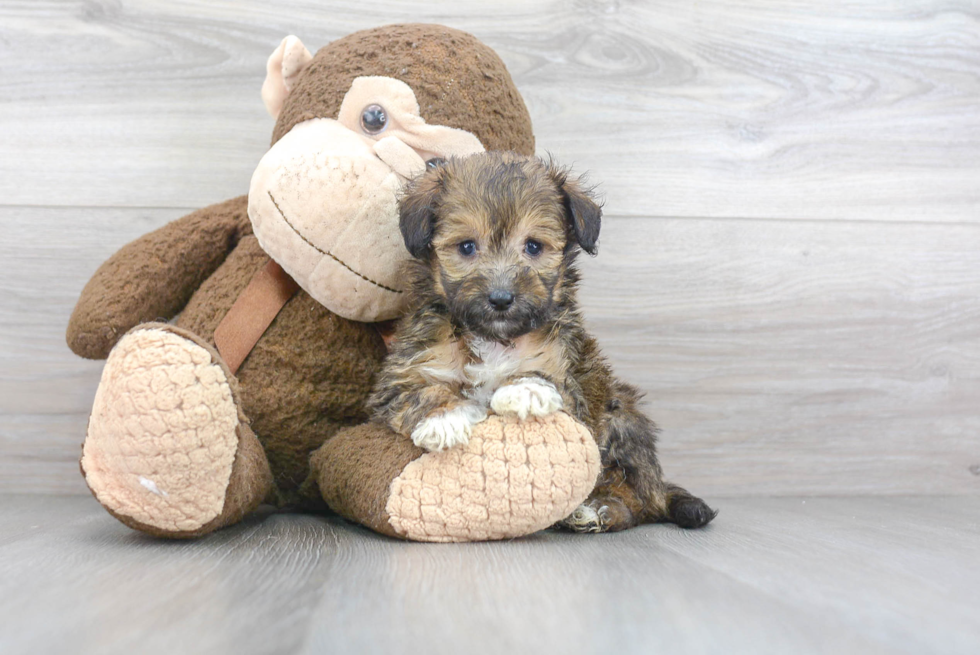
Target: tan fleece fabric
249,485
399,157
163,433
457,80
325,207
404,120
324,199
512,478
529,476
250,482
281,72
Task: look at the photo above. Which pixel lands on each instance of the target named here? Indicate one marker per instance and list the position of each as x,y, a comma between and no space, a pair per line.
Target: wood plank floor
790,575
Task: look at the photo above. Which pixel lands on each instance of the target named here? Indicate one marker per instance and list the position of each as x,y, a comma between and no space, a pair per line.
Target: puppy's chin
500,329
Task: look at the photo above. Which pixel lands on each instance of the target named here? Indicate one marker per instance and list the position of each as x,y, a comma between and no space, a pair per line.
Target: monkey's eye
533,247
435,162
374,119
467,248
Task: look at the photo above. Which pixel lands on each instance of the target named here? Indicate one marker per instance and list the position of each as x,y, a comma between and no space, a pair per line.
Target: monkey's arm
153,277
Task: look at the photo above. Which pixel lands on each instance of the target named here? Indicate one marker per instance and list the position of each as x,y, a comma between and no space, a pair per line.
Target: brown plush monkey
256,391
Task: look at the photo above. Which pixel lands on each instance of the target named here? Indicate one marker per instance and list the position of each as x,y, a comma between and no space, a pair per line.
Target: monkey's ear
417,212
281,72
582,211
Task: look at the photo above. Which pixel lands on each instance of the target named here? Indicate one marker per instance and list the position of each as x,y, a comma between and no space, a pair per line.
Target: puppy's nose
501,299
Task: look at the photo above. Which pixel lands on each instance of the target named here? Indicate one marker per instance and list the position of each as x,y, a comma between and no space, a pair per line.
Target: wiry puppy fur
495,327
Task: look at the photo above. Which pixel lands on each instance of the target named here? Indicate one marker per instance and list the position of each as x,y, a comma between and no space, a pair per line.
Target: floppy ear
583,213
417,212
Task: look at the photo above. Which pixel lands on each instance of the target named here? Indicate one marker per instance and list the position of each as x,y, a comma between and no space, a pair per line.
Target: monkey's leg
513,478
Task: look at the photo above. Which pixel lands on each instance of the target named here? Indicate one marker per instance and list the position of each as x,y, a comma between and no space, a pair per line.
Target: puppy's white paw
448,429
527,397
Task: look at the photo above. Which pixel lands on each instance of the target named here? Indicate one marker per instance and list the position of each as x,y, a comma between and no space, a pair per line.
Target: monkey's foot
512,478
168,450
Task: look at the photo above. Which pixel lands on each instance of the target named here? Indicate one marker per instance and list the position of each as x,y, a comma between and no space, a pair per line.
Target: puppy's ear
416,212
582,211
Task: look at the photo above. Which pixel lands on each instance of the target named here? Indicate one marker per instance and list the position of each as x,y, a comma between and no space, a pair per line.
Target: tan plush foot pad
162,437
513,478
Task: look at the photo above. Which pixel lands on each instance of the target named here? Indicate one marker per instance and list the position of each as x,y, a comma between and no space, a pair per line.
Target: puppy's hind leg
612,506
631,489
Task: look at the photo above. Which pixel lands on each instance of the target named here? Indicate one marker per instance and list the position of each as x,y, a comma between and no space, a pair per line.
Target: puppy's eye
533,247
467,248
374,119
435,162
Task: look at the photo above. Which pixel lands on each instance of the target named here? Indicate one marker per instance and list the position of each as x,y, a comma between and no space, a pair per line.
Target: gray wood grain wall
790,263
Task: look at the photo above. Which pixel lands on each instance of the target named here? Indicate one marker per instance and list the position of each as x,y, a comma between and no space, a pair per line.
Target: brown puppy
495,326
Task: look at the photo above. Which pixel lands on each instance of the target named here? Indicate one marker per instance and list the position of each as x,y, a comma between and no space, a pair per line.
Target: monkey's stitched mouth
324,252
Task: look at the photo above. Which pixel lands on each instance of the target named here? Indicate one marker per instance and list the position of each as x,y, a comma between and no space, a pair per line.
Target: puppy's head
497,233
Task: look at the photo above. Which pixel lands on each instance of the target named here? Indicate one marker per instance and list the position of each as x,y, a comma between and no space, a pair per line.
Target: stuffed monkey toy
241,341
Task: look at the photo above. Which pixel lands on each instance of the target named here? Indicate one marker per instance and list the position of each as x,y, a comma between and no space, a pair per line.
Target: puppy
495,326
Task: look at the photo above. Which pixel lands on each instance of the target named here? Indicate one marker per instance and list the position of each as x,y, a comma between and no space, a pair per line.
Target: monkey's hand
525,397
447,428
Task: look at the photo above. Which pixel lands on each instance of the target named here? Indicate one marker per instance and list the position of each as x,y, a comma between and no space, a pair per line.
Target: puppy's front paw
527,397
448,429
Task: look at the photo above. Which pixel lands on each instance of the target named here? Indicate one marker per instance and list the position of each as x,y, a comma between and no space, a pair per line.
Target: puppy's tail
687,510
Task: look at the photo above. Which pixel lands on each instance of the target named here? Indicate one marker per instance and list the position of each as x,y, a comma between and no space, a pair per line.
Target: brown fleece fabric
308,375
458,81
354,471
151,278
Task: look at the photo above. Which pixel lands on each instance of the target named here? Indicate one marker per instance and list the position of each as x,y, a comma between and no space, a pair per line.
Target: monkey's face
324,199
498,233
